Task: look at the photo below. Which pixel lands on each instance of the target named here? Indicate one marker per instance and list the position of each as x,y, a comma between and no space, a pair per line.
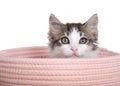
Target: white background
25,22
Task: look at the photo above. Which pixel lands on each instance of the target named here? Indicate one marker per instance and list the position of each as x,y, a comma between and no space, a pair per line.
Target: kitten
73,39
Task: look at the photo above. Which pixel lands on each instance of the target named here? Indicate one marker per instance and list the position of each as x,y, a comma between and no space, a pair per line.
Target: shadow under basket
31,66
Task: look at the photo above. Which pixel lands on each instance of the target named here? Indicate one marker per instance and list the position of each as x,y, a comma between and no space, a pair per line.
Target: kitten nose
74,49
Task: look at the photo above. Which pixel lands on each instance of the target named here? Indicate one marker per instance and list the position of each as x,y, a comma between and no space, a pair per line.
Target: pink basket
31,66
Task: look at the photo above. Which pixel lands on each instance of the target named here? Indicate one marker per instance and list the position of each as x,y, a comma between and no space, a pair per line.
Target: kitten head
72,39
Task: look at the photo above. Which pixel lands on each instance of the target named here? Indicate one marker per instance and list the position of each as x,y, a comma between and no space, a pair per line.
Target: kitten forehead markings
74,28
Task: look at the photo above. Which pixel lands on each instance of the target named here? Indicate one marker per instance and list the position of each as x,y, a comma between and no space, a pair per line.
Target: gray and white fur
73,39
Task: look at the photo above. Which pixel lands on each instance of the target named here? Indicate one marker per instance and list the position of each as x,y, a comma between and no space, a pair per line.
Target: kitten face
72,39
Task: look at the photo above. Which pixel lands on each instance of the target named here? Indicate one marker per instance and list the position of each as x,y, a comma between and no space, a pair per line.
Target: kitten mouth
75,55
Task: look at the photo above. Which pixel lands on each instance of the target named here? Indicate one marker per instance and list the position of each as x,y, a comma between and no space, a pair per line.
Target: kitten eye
65,40
83,40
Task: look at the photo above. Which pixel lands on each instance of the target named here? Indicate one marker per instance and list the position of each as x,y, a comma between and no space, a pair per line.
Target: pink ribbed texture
31,66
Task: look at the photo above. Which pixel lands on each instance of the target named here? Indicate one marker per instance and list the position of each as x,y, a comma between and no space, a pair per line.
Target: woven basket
31,66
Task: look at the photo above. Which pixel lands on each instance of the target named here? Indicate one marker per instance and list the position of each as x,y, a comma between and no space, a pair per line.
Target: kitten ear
91,25
55,24
52,18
